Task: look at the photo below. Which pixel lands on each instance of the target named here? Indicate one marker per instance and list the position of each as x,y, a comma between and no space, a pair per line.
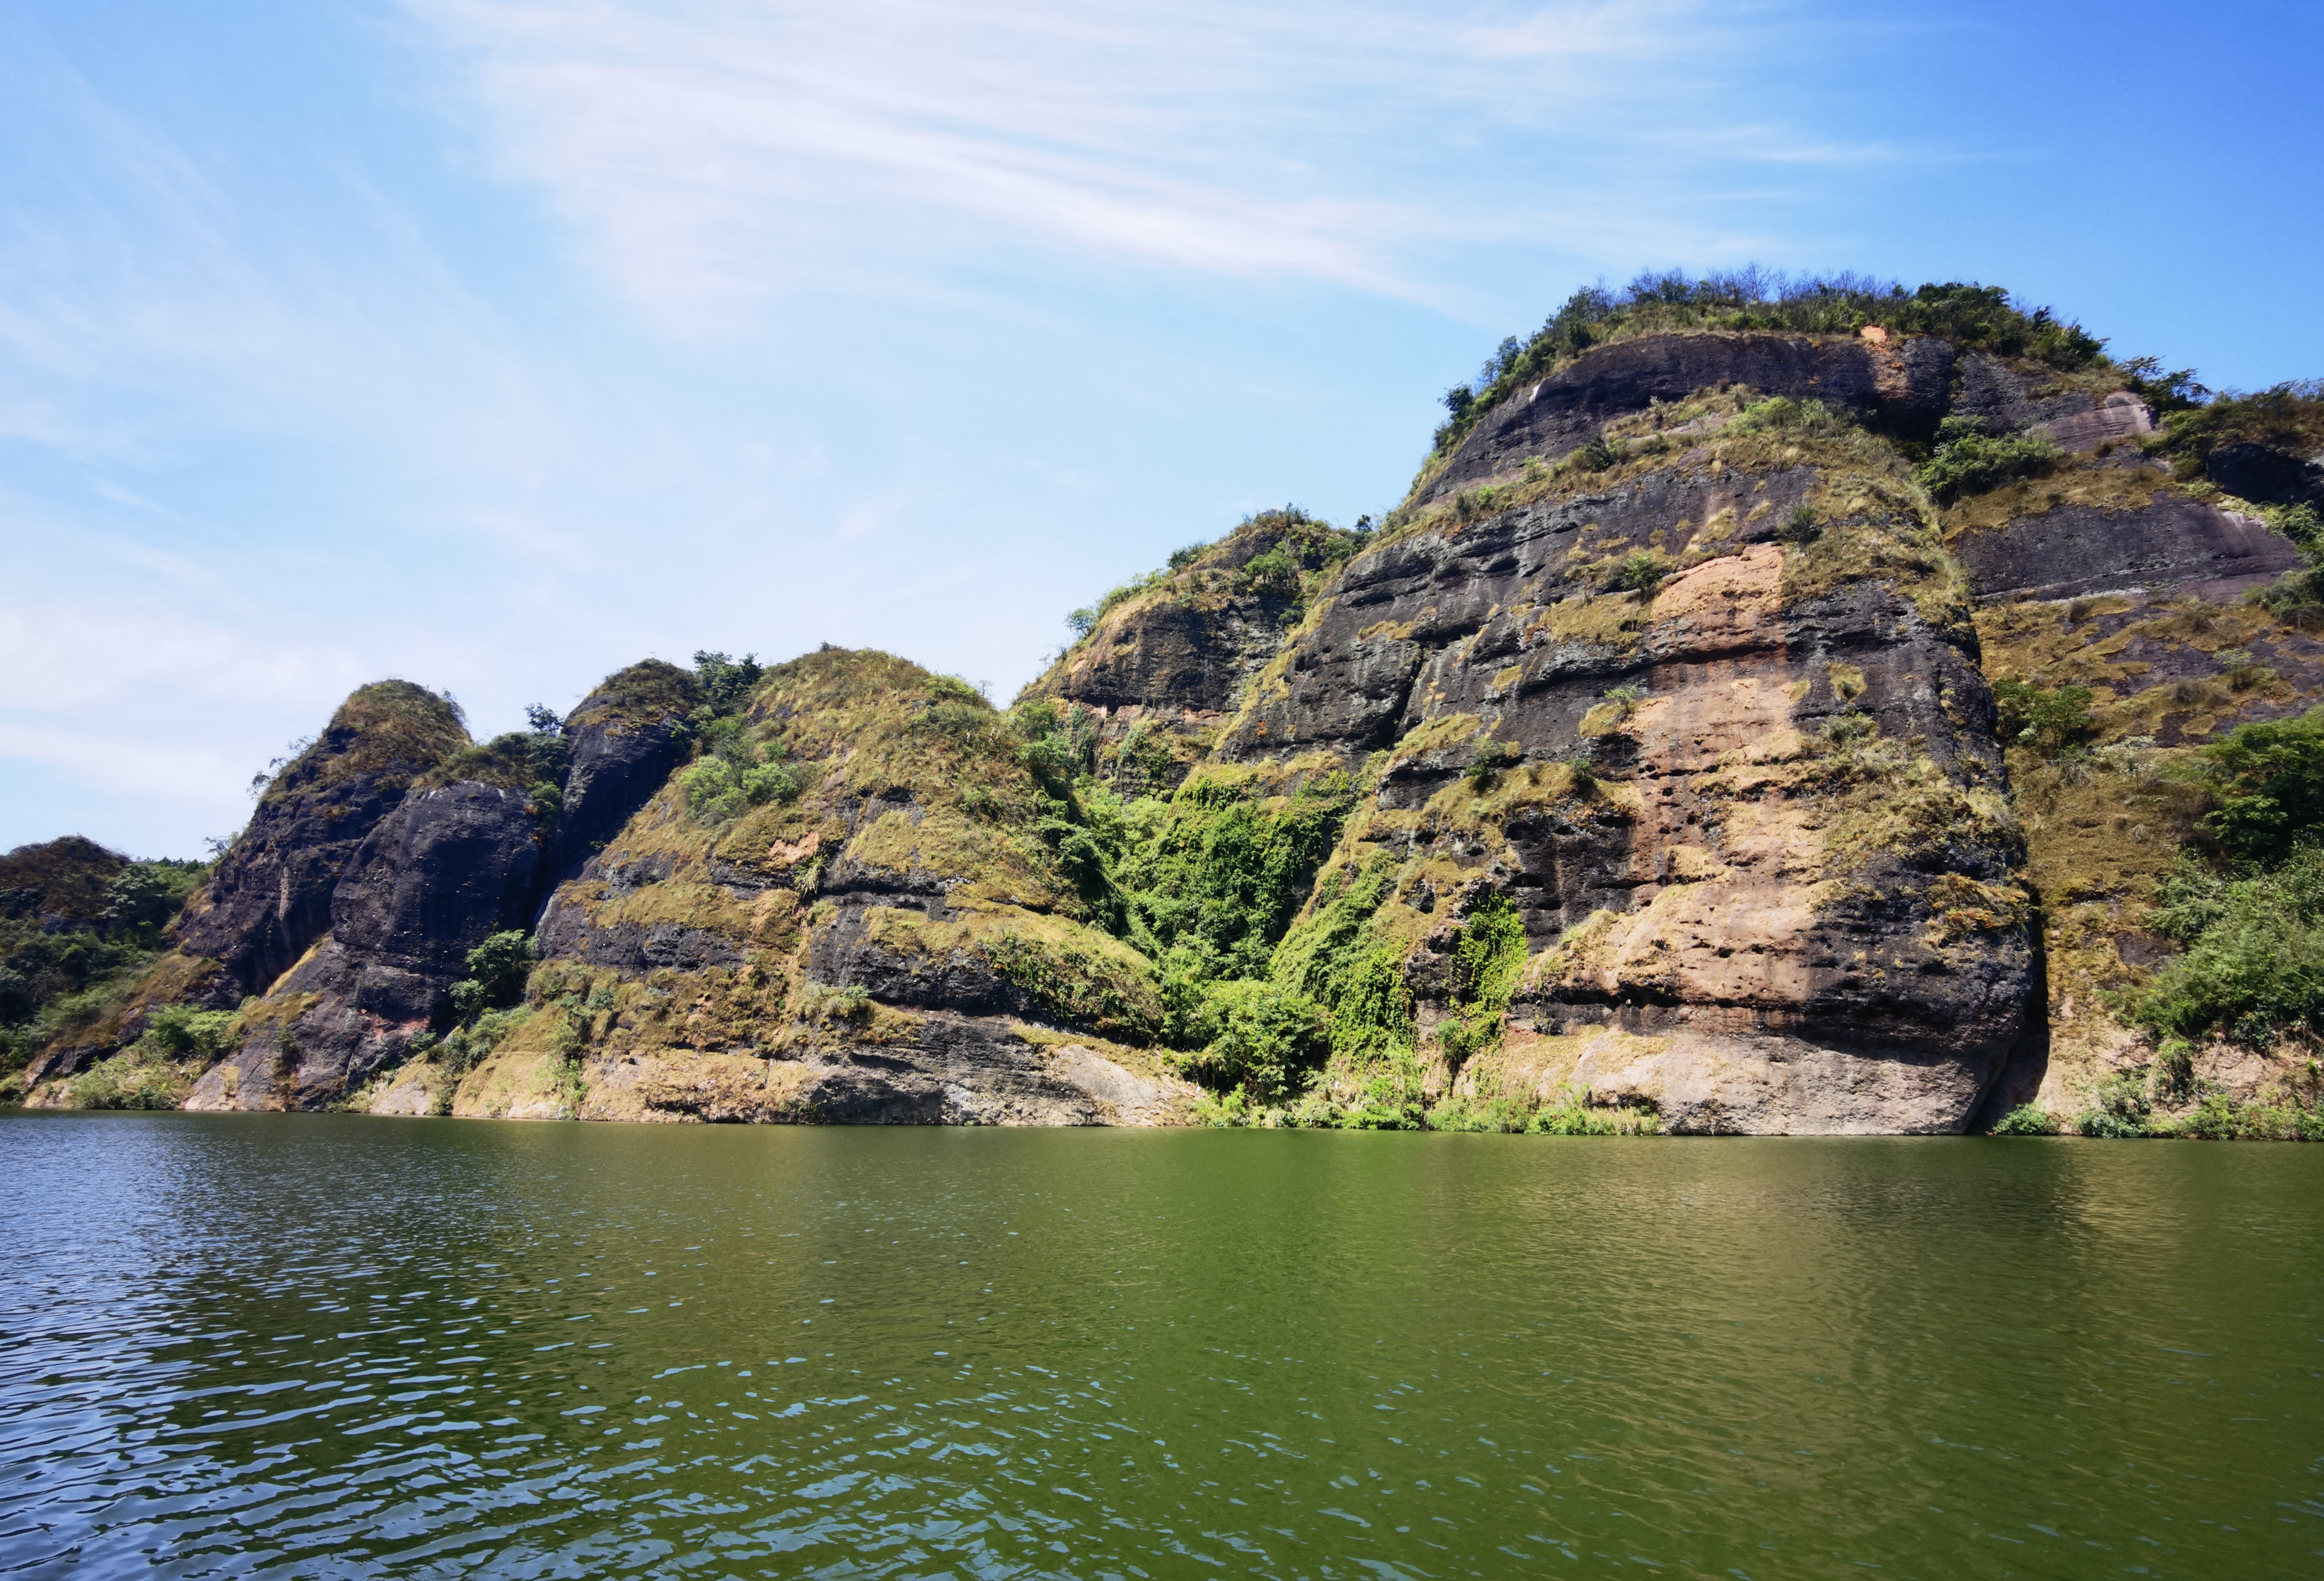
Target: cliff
1761,716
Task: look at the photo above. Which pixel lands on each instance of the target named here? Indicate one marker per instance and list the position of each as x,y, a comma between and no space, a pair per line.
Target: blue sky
496,343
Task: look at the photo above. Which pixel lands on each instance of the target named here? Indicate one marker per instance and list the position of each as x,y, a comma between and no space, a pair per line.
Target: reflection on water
335,1347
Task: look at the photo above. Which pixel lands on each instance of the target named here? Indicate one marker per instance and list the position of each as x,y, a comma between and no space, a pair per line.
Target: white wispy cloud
713,155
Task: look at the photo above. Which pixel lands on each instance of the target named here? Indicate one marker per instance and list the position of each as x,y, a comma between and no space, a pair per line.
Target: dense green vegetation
2297,597
2247,902
1969,459
2244,902
1976,315
77,924
731,772
497,970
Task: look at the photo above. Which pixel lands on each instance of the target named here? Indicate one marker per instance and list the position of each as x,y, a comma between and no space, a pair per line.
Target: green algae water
338,1347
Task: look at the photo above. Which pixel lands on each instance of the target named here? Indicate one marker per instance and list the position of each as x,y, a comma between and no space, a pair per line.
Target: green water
327,1346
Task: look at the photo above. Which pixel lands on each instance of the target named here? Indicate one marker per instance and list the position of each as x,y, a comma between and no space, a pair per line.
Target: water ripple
333,1346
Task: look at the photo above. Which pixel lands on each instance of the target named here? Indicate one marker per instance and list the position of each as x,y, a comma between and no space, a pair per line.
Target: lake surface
341,1346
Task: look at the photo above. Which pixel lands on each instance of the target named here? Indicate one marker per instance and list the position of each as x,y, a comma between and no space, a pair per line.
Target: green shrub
1800,527
2217,1118
2254,965
1570,1114
727,683
181,1032
2289,417
1969,460
2048,722
1499,1114
127,1080
2296,598
1272,572
1264,1039
467,1047
570,1039
734,776
1641,574
2266,781
1391,1095
144,897
497,969
2120,1109
2027,1119
1597,454
1492,758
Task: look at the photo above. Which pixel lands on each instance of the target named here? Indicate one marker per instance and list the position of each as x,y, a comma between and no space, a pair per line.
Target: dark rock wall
271,898
624,740
2171,546
380,892
1904,387
448,868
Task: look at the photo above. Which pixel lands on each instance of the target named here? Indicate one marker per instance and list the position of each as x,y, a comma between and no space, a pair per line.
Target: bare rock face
2266,476
449,867
1903,386
271,897
2170,547
2010,396
969,1076
624,739
2117,418
1752,820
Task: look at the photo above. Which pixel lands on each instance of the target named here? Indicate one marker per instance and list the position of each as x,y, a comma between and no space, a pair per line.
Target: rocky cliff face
461,852
894,941
1643,770
623,741
271,898
1904,387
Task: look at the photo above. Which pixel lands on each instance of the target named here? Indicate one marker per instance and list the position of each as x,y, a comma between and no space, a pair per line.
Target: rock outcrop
452,865
463,851
623,741
271,898
894,943
1903,386
1646,761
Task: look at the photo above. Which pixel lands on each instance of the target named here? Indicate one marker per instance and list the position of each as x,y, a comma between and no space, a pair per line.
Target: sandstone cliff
1643,770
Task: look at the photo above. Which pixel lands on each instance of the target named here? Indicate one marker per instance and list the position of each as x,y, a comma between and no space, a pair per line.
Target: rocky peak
622,739
270,898
1901,384
61,883
1167,656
